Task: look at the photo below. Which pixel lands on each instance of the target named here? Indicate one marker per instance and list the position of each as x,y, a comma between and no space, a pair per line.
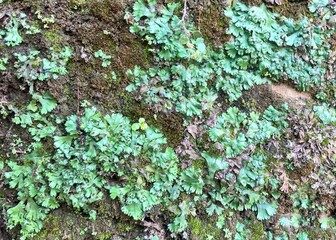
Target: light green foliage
111,144
326,114
316,4
28,177
294,221
176,85
264,46
48,103
76,160
215,163
180,222
268,45
302,199
242,196
184,87
104,57
3,62
323,9
92,147
235,130
302,236
327,222
285,222
32,67
140,125
11,33
242,232
192,180
35,119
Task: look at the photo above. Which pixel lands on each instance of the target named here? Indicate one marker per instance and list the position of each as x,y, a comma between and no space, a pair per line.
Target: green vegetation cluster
235,131
92,148
30,66
188,74
239,184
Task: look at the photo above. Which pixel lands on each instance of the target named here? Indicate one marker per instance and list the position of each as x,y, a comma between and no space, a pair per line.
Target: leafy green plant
252,176
75,172
326,114
11,33
180,222
241,231
323,9
265,47
302,236
32,67
192,180
34,118
235,130
327,222
3,62
269,45
79,159
104,57
184,87
27,176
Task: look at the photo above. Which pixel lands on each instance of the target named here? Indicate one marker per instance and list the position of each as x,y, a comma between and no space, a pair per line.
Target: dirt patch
289,94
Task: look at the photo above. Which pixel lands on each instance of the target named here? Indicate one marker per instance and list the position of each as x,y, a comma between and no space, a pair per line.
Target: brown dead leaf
283,177
192,129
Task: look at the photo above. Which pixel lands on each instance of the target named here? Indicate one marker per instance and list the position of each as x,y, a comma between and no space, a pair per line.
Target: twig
78,96
183,18
9,131
184,11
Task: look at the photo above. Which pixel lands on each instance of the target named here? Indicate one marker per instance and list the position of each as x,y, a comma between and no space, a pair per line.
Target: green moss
105,9
257,231
212,23
318,233
52,230
105,236
203,229
55,39
199,164
125,227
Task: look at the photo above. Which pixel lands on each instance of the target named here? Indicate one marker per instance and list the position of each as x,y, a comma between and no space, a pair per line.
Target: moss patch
211,22
203,229
258,231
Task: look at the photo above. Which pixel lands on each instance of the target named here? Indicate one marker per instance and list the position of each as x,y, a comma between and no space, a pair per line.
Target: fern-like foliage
235,130
189,74
270,46
183,83
92,147
242,196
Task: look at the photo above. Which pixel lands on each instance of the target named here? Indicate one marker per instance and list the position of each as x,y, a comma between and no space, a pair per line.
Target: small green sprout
140,125
104,57
3,62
